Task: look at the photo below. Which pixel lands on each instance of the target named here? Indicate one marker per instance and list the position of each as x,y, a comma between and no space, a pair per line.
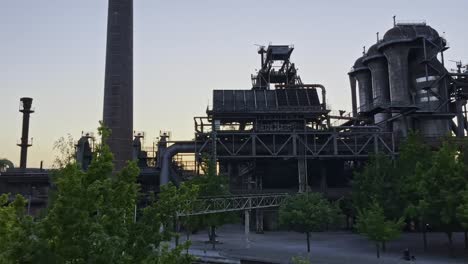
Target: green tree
5,164
94,219
12,221
308,212
209,184
462,213
65,151
414,155
156,226
372,223
378,181
442,187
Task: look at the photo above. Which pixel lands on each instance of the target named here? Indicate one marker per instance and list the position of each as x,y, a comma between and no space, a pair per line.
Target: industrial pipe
352,82
178,147
324,93
26,103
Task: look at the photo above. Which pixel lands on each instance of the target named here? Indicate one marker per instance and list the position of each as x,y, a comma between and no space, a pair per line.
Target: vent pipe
25,108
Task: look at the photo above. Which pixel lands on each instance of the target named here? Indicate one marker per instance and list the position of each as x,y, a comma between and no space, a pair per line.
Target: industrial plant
279,135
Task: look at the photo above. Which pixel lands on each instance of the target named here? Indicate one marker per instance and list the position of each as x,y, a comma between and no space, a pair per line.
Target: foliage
378,181
155,226
209,184
424,185
372,223
308,212
93,219
442,188
300,260
12,221
393,184
5,164
65,148
414,154
462,209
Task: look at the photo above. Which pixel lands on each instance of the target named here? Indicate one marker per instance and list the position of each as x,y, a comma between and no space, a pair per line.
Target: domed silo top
410,32
372,53
358,65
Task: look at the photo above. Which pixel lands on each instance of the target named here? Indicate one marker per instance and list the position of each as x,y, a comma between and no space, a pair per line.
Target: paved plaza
326,248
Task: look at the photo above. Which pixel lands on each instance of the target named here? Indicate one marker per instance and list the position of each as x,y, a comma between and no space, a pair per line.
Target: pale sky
54,51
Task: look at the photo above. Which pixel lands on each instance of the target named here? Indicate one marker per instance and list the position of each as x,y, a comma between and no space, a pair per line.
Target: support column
247,227
259,212
259,221
301,171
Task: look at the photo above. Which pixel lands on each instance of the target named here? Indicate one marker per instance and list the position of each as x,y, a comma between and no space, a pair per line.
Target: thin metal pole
247,227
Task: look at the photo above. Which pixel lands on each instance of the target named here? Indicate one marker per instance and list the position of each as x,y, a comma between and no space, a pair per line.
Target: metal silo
415,79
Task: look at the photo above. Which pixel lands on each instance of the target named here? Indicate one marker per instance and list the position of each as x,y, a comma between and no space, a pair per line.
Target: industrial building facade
279,135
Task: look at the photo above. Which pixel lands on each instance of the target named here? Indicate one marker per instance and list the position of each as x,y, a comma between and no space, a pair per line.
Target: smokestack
25,108
118,87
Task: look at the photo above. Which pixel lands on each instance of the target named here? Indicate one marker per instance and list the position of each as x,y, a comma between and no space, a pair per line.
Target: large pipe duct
398,75
381,92
178,147
363,77
352,82
324,93
25,108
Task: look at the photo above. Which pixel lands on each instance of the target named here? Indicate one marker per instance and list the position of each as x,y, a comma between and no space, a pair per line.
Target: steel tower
118,87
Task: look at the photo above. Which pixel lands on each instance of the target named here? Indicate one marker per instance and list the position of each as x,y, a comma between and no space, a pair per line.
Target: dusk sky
54,52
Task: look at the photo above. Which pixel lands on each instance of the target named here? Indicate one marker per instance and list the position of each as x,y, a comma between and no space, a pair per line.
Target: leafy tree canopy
308,212
93,218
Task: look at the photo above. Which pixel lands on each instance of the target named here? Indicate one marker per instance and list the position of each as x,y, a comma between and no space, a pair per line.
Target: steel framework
212,205
344,143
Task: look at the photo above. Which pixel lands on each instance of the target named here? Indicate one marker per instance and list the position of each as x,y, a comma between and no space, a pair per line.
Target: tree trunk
384,246
466,239
377,246
449,234
425,239
188,237
177,230
308,241
213,236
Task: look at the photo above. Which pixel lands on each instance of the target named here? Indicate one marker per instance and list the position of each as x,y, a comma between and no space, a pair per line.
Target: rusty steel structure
279,136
